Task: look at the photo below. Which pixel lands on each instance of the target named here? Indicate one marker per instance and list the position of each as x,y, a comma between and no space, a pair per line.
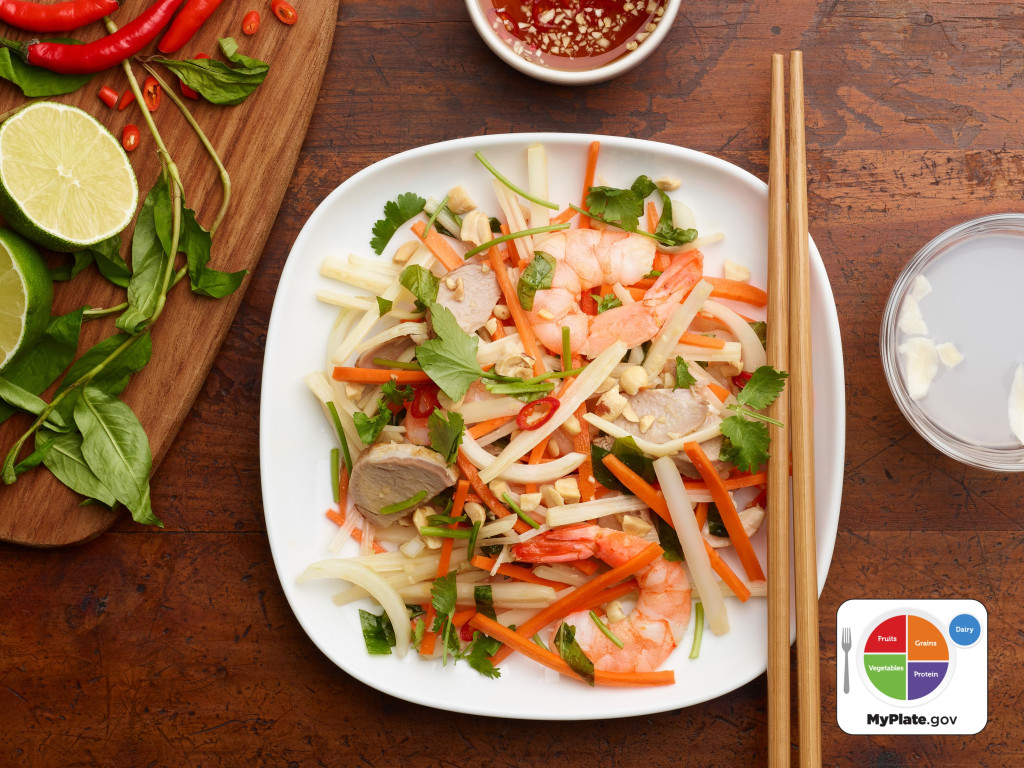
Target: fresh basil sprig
214,80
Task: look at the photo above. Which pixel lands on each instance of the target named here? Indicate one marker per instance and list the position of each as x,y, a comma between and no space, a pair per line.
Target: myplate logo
918,666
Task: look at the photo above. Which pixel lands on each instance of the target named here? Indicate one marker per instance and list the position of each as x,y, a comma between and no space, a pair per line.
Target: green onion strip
341,434
513,236
604,629
335,478
398,506
698,630
523,516
513,187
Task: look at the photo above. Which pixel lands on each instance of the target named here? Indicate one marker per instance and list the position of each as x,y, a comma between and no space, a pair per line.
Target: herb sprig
746,430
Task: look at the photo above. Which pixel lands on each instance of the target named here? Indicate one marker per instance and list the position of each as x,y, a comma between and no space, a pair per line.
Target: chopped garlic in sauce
920,365
911,321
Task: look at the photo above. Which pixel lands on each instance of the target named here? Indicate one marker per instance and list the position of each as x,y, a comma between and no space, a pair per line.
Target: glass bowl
962,289
482,14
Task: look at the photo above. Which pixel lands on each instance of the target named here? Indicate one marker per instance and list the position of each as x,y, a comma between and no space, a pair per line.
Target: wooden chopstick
802,432
777,349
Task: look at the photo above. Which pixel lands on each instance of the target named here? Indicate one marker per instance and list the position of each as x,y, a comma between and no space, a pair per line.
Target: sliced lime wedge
26,293
65,181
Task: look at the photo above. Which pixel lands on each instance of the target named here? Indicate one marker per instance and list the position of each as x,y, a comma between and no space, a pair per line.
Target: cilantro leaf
668,234
396,213
747,445
642,186
446,434
479,655
421,283
764,386
572,654
536,277
617,206
450,359
684,379
604,303
370,427
394,394
625,450
443,596
760,327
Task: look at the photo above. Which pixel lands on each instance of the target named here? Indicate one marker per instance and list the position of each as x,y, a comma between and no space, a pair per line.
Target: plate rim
834,365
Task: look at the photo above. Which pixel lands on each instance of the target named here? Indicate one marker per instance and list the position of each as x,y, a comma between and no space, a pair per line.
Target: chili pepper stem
225,179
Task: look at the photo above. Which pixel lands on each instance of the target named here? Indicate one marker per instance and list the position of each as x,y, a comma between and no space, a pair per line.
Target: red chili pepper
152,93
424,400
126,98
101,54
193,15
108,96
185,90
58,17
251,22
741,379
130,137
284,11
522,420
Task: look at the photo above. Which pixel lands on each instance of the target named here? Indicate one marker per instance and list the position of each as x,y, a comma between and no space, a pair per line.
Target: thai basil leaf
24,400
38,367
669,540
116,448
715,525
114,377
572,654
214,80
668,234
196,243
378,633
107,254
64,459
149,259
421,283
537,276
36,82
62,272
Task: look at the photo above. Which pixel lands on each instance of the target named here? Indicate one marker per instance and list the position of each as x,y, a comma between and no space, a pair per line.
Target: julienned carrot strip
662,261
742,480
588,566
588,179
438,246
508,290
653,498
701,512
458,502
652,216
553,661
461,617
700,340
499,331
429,636
581,442
718,391
734,290
612,593
338,519
572,601
644,282
514,572
563,217
485,494
727,509
486,427
378,375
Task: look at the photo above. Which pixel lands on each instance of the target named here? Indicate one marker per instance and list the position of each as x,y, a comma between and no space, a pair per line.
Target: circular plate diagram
907,659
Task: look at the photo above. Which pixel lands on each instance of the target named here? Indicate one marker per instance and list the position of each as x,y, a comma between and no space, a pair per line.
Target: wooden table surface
176,647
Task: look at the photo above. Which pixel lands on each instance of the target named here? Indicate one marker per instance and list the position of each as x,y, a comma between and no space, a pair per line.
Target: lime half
26,293
65,181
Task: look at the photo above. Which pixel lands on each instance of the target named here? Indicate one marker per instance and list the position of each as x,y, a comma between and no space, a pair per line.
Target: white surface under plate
295,438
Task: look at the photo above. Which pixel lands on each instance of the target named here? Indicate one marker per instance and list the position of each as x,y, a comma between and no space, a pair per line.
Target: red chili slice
424,401
152,93
108,96
251,22
284,12
741,379
130,137
523,419
126,98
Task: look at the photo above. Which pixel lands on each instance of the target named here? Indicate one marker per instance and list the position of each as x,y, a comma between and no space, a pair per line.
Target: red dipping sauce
573,34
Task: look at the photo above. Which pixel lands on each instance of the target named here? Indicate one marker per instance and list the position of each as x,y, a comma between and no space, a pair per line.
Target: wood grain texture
176,647
38,510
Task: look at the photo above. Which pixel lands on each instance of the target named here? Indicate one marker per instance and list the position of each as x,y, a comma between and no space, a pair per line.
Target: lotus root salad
550,427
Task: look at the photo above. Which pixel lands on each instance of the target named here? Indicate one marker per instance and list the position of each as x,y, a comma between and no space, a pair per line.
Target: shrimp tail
559,545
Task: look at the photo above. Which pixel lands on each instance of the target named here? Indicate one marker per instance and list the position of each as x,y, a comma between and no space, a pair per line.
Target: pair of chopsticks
789,348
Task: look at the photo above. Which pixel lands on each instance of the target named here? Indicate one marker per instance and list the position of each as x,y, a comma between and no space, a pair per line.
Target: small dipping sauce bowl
544,39
952,339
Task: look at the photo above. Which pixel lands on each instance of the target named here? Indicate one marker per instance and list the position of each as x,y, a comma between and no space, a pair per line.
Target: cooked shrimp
588,258
651,631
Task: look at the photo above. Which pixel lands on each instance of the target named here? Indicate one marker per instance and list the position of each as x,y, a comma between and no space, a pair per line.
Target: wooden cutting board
258,141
